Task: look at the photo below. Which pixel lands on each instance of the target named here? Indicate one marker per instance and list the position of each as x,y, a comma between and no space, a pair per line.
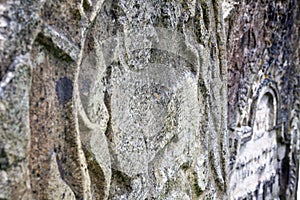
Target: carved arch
267,94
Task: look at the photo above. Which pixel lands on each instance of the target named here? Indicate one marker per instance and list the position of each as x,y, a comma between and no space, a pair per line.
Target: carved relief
256,169
264,115
138,92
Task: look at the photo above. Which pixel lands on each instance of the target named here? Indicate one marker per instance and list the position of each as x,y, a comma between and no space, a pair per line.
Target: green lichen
196,188
185,166
96,174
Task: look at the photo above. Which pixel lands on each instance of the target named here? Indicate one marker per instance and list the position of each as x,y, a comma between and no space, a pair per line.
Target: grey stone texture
263,98
153,99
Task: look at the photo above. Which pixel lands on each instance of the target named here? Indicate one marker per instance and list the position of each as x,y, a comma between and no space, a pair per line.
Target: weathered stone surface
105,99
19,25
263,63
15,132
140,90
51,98
258,159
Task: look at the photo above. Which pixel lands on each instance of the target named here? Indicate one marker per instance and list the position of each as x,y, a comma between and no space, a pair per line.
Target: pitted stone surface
127,99
260,37
256,170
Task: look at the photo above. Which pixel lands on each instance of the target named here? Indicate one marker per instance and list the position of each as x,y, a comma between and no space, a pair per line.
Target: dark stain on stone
52,48
97,175
64,90
122,180
60,168
4,164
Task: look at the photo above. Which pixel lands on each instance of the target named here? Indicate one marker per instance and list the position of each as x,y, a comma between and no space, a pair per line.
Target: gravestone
255,174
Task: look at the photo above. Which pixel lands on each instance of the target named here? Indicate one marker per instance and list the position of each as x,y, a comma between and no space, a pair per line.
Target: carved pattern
257,157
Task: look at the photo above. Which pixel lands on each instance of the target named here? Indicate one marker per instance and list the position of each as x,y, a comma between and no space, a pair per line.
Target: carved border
266,87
